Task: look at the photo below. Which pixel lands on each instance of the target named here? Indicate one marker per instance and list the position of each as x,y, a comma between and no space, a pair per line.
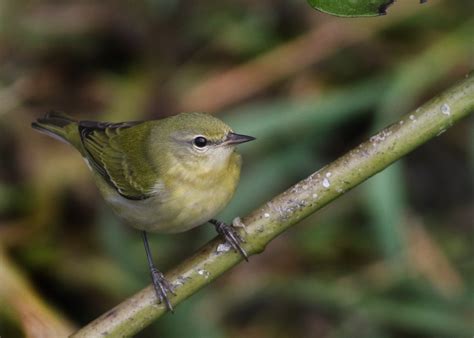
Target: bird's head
200,141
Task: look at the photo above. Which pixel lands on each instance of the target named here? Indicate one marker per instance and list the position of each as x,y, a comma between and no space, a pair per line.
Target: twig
243,81
288,208
38,318
427,259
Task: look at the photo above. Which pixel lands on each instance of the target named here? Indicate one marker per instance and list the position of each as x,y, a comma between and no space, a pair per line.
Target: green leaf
352,8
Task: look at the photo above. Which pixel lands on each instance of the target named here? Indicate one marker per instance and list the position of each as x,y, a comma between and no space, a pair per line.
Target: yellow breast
185,199
196,198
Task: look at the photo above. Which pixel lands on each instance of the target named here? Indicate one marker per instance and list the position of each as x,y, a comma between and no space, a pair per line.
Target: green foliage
352,8
325,84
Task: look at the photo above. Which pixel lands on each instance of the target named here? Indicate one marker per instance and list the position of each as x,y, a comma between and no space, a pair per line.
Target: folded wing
119,155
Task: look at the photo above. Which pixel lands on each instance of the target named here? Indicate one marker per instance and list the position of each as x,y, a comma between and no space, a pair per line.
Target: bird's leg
231,236
161,285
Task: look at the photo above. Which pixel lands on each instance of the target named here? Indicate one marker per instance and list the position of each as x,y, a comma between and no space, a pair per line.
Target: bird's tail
57,125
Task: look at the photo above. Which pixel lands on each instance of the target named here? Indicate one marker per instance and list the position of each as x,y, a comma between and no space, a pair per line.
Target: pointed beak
233,138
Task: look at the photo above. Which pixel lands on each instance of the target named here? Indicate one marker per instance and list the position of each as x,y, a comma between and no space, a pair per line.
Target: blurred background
392,258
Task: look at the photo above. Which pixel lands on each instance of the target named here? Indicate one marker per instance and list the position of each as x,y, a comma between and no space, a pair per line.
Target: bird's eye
200,141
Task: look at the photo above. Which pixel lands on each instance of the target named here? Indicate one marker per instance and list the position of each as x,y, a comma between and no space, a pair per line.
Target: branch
288,208
37,318
242,81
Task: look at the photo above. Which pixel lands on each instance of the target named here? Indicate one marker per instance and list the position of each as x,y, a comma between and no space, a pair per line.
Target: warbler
164,176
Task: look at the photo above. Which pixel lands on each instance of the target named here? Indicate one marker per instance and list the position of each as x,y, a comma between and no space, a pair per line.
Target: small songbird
164,176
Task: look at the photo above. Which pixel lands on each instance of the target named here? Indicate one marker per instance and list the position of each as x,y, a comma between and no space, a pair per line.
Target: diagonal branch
286,209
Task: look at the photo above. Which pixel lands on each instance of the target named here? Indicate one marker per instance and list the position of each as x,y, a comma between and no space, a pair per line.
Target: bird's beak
233,138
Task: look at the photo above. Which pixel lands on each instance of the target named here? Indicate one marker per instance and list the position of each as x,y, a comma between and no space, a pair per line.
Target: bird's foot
162,288
231,236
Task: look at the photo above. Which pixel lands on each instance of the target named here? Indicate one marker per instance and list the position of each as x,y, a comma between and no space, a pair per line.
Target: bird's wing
119,156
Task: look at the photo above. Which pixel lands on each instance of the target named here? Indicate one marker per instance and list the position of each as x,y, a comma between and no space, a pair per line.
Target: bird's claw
231,236
162,288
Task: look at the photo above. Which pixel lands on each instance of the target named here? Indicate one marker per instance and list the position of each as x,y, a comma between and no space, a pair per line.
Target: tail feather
56,125
57,119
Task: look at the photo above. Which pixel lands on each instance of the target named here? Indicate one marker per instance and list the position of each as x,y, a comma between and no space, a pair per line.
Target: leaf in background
353,8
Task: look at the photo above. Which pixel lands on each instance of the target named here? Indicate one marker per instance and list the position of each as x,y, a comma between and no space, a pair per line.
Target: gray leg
161,285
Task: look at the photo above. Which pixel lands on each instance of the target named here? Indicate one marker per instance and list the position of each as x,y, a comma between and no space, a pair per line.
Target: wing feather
118,152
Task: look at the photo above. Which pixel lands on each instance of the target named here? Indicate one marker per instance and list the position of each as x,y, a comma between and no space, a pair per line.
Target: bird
166,175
